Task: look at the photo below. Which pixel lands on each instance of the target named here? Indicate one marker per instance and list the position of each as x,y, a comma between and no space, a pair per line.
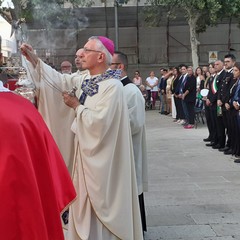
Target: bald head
78,59
66,67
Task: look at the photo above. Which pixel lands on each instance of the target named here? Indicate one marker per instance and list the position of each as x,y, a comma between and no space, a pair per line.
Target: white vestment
104,173
54,111
106,207
136,108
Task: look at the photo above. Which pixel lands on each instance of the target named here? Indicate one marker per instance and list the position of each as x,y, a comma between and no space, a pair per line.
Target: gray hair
102,48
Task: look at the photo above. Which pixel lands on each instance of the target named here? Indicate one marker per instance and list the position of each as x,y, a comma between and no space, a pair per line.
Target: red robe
34,182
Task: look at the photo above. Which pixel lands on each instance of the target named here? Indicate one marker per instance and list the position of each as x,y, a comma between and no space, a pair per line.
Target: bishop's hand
70,101
28,52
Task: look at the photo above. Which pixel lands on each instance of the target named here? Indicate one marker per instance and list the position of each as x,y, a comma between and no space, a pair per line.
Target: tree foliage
229,8
49,13
198,13
204,11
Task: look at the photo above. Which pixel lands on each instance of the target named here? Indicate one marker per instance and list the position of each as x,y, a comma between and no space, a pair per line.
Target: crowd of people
213,89
222,106
177,90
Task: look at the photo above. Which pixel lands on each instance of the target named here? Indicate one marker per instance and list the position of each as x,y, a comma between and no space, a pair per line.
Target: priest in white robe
104,175
49,85
136,109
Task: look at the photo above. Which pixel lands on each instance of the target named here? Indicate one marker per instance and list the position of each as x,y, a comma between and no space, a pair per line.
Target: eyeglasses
91,50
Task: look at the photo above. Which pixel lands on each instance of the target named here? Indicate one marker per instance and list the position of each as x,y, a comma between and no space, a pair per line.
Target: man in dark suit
162,90
180,87
189,97
223,97
219,138
233,107
211,102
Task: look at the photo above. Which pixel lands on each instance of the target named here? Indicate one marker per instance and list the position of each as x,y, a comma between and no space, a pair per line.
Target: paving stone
217,218
226,229
194,190
180,232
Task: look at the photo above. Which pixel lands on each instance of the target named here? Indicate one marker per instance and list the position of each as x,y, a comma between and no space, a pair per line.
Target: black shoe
207,139
217,146
210,144
223,149
237,160
228,152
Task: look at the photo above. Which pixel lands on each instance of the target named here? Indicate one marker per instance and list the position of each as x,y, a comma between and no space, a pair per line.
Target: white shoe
182,122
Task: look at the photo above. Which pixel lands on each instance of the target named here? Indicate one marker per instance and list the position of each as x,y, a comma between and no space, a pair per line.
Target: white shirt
152,81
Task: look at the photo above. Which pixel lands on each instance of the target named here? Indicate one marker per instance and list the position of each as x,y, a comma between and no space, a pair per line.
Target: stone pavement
194,190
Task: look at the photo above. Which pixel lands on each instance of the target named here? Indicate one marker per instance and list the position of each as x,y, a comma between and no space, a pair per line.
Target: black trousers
179,108
208,120
221,131
238,135
213,117
228,127
149,95
235,118
191,112
142,212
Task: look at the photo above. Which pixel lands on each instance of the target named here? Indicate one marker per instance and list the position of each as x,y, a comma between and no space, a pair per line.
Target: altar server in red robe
35,187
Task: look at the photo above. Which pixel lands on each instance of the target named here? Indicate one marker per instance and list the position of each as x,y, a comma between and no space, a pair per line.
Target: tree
46,12
230,10
198,13
48,15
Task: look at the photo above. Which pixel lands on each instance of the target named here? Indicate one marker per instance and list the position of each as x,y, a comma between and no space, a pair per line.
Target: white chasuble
50,84
136,109
104,172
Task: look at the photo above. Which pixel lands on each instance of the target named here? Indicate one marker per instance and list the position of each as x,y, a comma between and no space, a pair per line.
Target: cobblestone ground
194,190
